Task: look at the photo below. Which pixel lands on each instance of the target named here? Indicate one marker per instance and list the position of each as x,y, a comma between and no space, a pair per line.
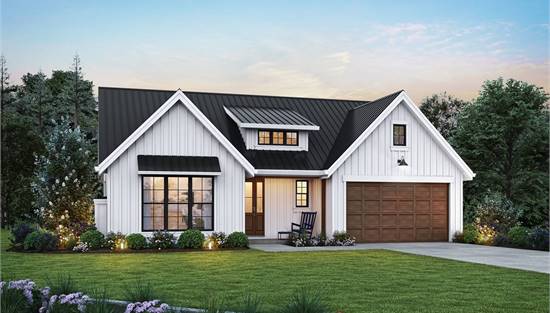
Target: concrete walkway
529,260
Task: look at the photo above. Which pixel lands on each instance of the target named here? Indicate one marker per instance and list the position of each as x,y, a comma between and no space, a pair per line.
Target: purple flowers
77,299
147,307
25,285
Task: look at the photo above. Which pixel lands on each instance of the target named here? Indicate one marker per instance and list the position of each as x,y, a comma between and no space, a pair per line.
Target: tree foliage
64,180
503,136
30,111
443,110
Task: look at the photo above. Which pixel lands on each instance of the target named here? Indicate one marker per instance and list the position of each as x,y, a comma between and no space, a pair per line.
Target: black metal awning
154,164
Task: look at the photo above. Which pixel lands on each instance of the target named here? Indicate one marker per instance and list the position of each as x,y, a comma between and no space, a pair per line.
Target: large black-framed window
399,134
302,193
177,203
277,137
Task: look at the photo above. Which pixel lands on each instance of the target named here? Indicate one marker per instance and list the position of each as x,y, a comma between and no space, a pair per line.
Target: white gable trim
268,126
403,97
177,96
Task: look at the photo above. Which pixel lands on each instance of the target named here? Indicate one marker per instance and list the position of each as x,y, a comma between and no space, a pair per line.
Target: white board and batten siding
376,160
178,132
250,137
280,205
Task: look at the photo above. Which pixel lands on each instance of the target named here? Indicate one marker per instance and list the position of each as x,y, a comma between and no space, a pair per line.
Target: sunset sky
333,49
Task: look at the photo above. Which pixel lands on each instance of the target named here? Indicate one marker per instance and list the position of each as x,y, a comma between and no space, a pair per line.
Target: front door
254,206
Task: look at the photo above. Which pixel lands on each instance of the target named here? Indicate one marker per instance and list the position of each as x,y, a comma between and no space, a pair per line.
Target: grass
350,281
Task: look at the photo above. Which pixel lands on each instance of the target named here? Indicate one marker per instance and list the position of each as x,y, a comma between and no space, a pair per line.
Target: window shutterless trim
296,193
271,142
190,203
404,126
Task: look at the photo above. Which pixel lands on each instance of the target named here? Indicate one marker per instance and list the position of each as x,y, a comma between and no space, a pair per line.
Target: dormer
272,128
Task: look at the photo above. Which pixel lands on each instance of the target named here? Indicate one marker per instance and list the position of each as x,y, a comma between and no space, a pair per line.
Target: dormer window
278,137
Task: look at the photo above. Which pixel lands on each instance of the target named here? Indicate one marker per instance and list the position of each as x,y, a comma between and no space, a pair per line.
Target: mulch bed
126,251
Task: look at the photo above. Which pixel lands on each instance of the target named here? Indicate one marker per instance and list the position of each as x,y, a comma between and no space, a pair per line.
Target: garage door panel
372,220
406,220
379,212
355,206
439,221
422,220
389,206
405,206
388,220
390,234
372,206
355,221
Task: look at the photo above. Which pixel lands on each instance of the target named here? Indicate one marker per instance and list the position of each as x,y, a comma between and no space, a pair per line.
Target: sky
327,49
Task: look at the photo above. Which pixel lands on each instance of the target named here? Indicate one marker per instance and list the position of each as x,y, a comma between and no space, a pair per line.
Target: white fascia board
279,126
268,126
185,173
399,179
403,97
290,173
177,96
469,174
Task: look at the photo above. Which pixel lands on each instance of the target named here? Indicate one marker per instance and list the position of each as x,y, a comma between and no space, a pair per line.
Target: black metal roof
123,110
177,163
253,115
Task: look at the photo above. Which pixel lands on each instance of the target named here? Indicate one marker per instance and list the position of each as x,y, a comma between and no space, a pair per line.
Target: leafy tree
35,101
503,136
65,181
443,110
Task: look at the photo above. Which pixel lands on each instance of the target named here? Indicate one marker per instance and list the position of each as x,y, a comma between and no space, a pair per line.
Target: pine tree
65,181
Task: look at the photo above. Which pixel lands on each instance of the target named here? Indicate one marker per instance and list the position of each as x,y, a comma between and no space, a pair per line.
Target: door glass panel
260,189
259,205
248,189
248,205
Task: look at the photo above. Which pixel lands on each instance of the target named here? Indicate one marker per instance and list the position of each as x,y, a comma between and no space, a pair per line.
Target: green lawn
354,281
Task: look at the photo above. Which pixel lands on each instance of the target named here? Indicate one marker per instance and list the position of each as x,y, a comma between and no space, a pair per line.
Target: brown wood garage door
385,212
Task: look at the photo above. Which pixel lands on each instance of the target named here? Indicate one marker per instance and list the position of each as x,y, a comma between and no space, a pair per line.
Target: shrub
501,240
495,210
70,243
341,238
140,291
470,233
305,302
217,239
41,240
237,240
458,237
191,238
136,241
486,235
19,232
519,236
538,238
94,239
114,240
81,247
161,240
299,240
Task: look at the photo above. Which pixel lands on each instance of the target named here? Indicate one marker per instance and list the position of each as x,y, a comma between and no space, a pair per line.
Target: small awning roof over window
269,118
178,165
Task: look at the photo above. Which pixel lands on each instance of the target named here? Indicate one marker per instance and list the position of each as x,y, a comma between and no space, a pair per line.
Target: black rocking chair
307,222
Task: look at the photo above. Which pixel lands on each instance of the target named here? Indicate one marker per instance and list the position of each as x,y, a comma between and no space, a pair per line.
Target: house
173,160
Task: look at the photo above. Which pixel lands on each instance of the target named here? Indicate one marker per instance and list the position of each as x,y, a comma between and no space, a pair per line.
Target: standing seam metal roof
123,110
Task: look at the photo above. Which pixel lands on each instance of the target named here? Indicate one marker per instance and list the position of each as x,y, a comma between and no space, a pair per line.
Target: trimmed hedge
237,240
41,240
94,239
136,241
191,238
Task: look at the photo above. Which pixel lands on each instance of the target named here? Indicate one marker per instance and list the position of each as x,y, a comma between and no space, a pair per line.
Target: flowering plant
64,303
162,240
26,286
81,247
147,307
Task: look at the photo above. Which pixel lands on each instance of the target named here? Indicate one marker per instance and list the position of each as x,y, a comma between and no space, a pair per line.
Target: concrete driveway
529,260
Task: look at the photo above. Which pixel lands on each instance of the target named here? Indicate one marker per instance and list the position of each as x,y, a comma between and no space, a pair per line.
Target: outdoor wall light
401,162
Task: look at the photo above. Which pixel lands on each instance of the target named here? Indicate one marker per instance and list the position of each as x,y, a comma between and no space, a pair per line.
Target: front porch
272,204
